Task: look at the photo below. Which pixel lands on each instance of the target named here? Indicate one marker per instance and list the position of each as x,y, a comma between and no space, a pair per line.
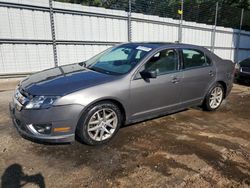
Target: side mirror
148,74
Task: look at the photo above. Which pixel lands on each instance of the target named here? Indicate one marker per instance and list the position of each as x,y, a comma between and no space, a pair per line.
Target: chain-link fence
203,12
57,32
212,12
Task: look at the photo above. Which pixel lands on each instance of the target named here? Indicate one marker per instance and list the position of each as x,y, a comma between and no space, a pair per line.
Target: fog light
40,128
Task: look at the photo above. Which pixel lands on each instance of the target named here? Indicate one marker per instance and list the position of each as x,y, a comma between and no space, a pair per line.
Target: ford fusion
127,83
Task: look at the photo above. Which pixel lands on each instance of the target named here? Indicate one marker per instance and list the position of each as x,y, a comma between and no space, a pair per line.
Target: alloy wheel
216,97
102,124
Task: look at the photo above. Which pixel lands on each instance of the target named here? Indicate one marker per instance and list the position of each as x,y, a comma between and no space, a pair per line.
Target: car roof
156,45
159,45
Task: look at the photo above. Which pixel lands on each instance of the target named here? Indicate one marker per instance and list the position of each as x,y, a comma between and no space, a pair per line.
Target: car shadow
242,83
14,176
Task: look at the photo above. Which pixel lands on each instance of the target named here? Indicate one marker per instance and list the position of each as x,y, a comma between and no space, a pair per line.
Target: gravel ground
191,148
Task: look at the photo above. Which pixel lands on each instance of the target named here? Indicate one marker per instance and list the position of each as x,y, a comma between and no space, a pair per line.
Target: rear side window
194,58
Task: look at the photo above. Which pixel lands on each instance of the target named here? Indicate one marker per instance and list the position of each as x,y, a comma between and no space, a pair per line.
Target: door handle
175,80
211,73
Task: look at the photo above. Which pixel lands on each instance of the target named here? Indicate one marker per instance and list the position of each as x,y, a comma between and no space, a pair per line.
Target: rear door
198,75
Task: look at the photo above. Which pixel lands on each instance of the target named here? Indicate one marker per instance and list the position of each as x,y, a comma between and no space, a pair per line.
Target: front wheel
99,123
214,98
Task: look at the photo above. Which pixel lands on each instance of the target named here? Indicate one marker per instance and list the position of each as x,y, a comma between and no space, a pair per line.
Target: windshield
117,60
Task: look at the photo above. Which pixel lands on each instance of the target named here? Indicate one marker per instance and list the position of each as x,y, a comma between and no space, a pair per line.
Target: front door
149,97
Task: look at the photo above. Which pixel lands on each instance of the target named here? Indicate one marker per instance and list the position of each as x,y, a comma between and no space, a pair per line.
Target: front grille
245,69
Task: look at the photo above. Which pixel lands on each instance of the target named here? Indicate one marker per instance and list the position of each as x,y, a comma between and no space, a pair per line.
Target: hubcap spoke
109,115
94,122
110,120
101,135
106,130
212,103
98,116
109,125
94,128
96,133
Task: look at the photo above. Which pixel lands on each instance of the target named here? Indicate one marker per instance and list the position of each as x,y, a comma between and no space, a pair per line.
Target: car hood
245,63
63,80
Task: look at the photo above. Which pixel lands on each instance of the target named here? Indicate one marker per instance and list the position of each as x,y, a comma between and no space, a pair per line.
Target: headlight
41,102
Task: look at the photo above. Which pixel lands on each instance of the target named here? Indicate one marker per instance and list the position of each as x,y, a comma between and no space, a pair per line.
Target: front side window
163,62
118,60
194,58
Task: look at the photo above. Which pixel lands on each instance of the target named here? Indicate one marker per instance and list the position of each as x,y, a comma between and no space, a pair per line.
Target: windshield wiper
97,69
83,64
94,69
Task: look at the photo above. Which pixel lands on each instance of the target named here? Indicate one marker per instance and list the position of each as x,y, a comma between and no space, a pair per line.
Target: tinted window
163,62
194,58
140,54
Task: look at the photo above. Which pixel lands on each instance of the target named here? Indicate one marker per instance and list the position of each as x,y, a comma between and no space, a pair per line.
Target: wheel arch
224,85
112,100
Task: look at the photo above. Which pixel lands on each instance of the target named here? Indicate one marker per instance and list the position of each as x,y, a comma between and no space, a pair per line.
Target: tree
201,11
160,3
84,2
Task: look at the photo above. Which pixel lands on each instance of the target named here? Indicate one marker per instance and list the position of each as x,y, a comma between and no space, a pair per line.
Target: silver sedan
125,84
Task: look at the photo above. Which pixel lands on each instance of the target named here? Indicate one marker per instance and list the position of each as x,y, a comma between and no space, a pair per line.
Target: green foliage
201,11
97,3
145,4
234,3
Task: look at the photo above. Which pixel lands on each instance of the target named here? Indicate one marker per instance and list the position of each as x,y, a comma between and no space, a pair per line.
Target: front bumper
57,117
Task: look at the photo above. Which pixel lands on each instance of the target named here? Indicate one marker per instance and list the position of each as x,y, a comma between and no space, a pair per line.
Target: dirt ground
192,148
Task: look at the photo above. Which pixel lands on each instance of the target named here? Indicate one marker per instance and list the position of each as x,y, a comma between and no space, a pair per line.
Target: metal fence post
236,59
214,28
129,21
52,25
180,22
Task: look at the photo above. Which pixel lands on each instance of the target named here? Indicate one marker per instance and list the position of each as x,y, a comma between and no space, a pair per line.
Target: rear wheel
214,98
99,123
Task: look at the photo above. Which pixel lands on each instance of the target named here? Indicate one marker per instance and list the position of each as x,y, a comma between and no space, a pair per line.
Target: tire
216,94
94,128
